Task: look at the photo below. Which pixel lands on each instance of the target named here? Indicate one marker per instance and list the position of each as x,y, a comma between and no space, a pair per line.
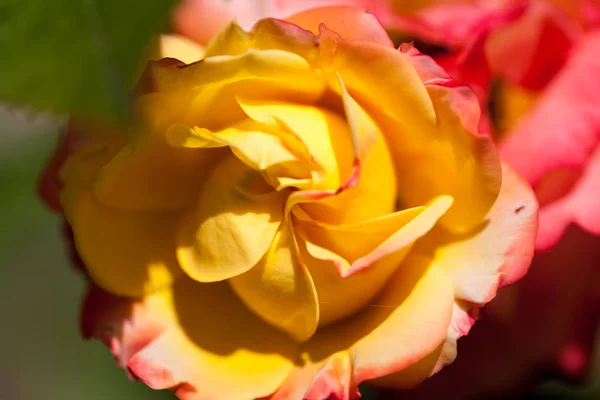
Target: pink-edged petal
565,124
350,23
472,169
334,380
463,318
124,325
162,339
518,342
414,326
237,357
497,253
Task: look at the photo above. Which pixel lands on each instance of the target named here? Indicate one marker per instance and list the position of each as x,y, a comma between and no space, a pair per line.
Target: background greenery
42,356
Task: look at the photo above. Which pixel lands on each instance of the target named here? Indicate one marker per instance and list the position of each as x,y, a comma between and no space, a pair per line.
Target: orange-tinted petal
233,224
280,289
351,23
125,253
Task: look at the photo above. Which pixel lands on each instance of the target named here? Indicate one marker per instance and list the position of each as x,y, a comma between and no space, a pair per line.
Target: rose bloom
533,66
302,209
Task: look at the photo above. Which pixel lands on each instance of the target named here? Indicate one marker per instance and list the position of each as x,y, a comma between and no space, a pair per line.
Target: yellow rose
298,212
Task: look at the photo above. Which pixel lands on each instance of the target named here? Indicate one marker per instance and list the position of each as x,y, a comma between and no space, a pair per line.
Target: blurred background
42,356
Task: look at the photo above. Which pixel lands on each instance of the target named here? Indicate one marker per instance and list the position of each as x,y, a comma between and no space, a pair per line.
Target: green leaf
75,56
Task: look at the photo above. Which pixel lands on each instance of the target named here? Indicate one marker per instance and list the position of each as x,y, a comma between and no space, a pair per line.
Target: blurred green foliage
73,55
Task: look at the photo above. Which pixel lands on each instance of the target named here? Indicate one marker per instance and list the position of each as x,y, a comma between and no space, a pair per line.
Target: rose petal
239,357
530,344
411,316
125,253
125,326
351,263
179,47
441,138
280,289
324,133
282,159
497,253
152,175
233,224
350,23
374,194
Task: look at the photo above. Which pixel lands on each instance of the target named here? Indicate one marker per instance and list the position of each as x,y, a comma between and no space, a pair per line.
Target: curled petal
351,263
280,157
323,132
374,194
233,224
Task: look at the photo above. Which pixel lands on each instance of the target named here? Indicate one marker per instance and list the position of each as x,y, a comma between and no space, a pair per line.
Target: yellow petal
213,347
350,263
179,47
433,152
78,172
279,288
204,94
126,253
374,194
325,134
151,175
282,158
405,323
233,224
